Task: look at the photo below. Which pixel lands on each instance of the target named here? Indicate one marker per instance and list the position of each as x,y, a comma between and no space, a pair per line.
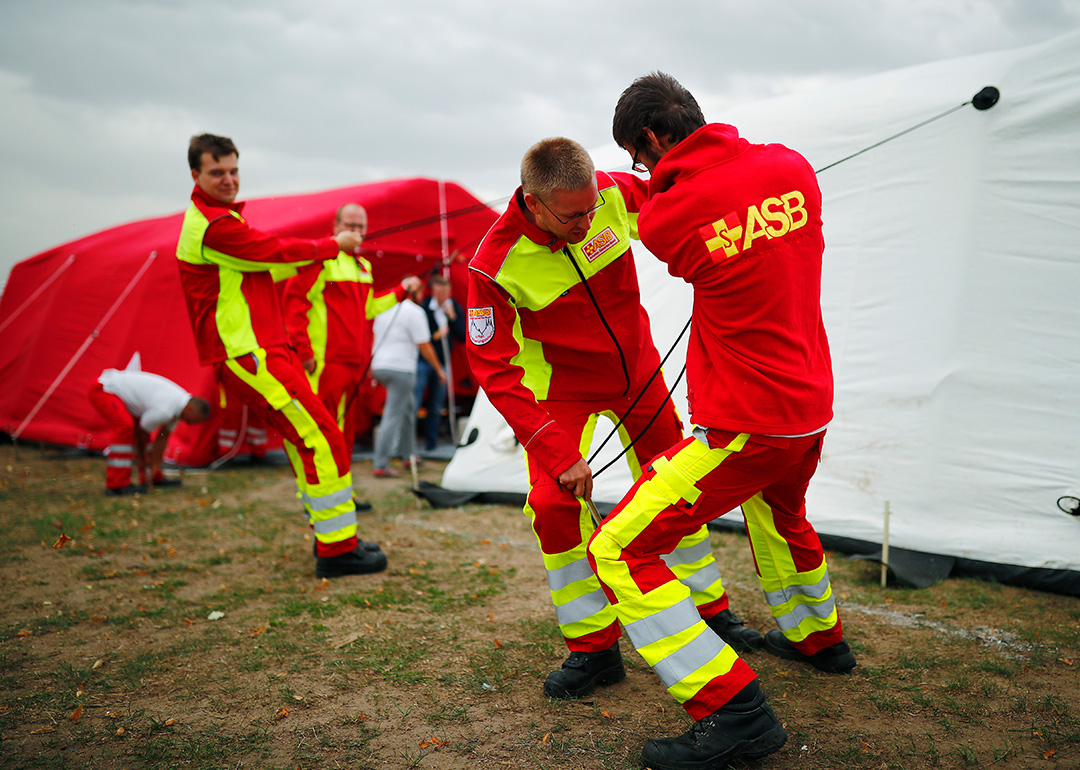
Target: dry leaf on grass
62,541
76,715
282,713
43,730
259,630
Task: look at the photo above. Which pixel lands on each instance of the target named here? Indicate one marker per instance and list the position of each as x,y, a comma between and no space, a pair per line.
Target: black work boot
582,670
359,561
744,728
359,544
837,659
130,489
730,627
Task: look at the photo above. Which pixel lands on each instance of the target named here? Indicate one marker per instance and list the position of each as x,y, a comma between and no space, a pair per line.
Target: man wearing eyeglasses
557,337
328,311
741,223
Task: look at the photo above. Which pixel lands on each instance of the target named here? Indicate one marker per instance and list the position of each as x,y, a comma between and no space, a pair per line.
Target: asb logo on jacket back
772,218
481,325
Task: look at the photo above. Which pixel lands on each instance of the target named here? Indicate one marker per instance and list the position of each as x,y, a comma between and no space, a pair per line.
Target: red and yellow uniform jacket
538,332
225,271
741,222
328,308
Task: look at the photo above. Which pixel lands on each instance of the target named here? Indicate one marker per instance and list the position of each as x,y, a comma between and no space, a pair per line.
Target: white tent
951,296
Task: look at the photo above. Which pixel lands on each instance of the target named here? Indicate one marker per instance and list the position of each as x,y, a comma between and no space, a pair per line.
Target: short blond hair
556,163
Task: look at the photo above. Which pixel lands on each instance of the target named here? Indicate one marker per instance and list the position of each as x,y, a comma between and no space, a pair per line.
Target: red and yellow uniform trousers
563,524
273,381
683,488
337,384
120,453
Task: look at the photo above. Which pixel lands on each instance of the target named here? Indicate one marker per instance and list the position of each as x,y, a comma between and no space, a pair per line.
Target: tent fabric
950,297
72,311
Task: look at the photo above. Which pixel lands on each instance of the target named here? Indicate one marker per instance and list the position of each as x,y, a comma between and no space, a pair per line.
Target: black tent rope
984,100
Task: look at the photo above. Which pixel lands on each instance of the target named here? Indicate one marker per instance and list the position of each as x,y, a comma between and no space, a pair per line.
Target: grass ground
110,655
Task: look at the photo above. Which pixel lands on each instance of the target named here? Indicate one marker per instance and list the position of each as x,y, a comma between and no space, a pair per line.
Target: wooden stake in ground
415,473
885,548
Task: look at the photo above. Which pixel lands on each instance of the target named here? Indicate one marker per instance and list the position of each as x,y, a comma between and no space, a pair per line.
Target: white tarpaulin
951,295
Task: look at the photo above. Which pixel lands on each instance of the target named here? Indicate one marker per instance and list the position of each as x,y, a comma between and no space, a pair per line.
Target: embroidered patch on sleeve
481,325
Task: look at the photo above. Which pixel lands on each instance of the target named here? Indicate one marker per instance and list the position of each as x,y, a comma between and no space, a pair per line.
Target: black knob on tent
986,98
1069,504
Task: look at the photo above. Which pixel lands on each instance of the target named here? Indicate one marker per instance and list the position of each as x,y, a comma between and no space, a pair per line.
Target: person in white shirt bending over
141,409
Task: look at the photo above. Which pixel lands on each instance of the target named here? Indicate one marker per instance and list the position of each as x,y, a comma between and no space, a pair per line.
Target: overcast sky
98,98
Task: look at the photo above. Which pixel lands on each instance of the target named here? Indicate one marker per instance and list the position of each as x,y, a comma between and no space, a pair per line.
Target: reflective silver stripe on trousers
684,661
571,573
701,579
326,502
663,624
333,525
119,448
581,608
813,590
801,612
687,555
118,463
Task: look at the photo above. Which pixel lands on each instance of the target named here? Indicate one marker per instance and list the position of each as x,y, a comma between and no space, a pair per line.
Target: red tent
91,304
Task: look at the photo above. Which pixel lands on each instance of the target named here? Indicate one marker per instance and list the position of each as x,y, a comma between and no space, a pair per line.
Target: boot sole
328,573
792,654
610,676
762,746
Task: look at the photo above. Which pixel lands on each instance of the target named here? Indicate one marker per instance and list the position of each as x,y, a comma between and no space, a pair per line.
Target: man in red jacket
741,223
328,310
225,269
556,337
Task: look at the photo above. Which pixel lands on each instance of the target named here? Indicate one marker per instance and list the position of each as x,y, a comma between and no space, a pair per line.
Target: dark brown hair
659,102
217,146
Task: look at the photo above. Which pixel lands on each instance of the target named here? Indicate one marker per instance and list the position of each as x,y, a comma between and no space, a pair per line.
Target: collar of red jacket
198,195
718,142
516,211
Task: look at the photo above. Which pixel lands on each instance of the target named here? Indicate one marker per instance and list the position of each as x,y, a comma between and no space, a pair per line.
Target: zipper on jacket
603,320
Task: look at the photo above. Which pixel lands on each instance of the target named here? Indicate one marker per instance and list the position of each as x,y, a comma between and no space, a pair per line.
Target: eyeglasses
635,166
574,217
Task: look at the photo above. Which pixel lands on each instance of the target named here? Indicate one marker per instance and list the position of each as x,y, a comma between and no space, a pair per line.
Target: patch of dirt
438,662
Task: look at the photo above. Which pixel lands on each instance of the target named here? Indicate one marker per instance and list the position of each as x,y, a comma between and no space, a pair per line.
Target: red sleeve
398,292
296,306
229,235
634,189
490,361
